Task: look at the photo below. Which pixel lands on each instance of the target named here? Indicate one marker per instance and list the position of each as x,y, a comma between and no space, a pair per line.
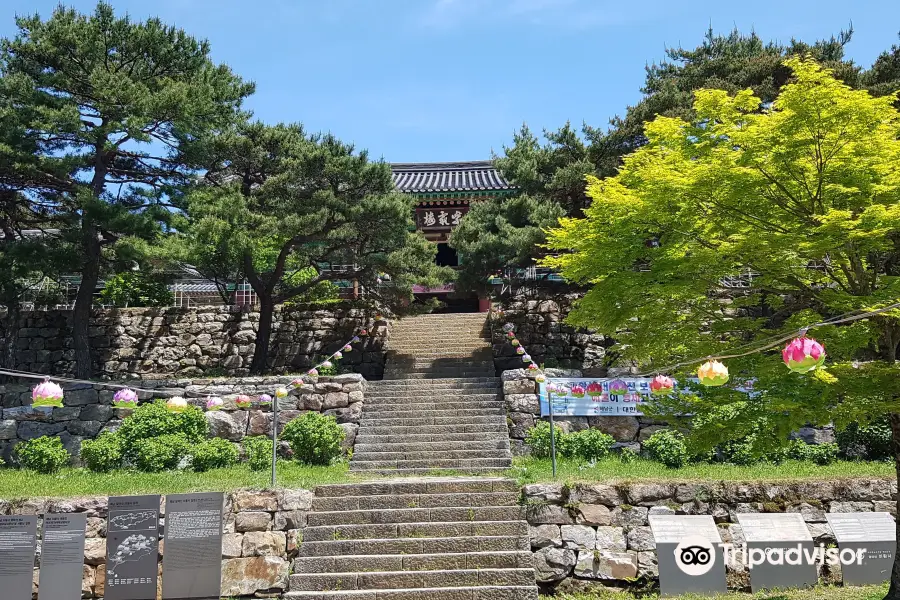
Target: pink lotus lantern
348,348
712,373
125,398
511,335
520,350
214,403
532,367
176,404
326,364
337,355
553,388
265,400
617,387
297,382
662,385
515,342
363,332
47,393
594,389
313,372
578,391
243,401
803,355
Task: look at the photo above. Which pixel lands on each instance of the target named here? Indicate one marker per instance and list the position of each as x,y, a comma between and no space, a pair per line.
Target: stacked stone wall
88,409
599,533
149,343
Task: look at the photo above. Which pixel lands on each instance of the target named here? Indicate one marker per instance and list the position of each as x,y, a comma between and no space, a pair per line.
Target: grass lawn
875,592
532,470
17,483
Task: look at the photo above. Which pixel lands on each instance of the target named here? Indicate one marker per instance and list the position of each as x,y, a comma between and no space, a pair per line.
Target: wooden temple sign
436,218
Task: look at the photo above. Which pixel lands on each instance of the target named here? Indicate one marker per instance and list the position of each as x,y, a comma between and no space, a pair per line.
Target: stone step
449,382
392,580
479,353
423,349
462,365
416,515
439,485
446,453
494,427
455,593
441,407
416,501
496,444
416,362
431,472
435,375
365,437
473,397
364,563
408,530
424,545
426,419
394,372
449,464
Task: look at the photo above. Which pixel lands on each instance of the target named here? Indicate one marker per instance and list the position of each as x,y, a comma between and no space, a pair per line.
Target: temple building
444,193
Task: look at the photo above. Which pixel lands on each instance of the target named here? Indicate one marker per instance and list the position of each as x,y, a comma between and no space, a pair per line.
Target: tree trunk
81,315
10,338
894,591
263,334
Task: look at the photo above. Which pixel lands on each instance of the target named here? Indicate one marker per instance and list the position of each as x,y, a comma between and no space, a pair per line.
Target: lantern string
844,318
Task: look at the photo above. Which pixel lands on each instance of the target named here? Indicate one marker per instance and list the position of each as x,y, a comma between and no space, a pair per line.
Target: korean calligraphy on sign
440,217
591,397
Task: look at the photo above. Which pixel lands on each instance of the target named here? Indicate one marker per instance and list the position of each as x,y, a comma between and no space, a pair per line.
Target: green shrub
213,454
259,452
871,441
739,452
154,419
821,454
137,288
667,447
589,444
628,455
538,439
160,453
102,454
44,454
315,439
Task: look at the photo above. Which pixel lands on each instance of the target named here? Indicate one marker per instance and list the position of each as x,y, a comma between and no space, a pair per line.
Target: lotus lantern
803,355
47,393
125,398
662,385
712,373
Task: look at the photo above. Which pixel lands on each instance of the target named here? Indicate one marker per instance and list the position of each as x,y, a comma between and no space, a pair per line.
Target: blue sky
442,80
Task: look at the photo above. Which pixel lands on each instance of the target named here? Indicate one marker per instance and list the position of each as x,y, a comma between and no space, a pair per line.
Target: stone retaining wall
520,392
88,410
540,327
262,536
146,343
583,533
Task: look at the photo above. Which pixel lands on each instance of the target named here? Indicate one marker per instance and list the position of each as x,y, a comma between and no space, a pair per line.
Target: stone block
553,564
294,499
229,425
598,493
28,430
607,565
611,539
263,543
540,514
519,424
524,403
289,519
519,386
545,536
249,576
546,492
578,537
593,514
232,544
640,538
622,429
255,500
648,564
336,400
8,429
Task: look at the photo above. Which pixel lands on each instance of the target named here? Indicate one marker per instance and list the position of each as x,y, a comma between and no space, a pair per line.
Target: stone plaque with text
192,562
62,556
132,547
873,535
18,541
785,531
671,530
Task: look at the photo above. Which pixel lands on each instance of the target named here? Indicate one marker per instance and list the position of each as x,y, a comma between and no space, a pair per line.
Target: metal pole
552,435
274,437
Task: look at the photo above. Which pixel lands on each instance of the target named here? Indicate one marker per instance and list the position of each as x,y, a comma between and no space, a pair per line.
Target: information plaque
62,556
785,531
18,542
132,548
192,562
674,535
872,532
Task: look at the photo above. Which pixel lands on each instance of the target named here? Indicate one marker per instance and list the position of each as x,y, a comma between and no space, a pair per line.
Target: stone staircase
415,539
439,406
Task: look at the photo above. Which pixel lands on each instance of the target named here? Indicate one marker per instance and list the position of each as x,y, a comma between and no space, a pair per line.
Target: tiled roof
423,178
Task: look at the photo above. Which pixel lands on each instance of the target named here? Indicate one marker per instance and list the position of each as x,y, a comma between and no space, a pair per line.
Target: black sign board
192,562
673,535
18,541
871,536
62,556
132,547
779,531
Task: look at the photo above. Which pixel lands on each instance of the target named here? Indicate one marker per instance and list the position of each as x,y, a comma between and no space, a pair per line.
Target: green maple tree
799,201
